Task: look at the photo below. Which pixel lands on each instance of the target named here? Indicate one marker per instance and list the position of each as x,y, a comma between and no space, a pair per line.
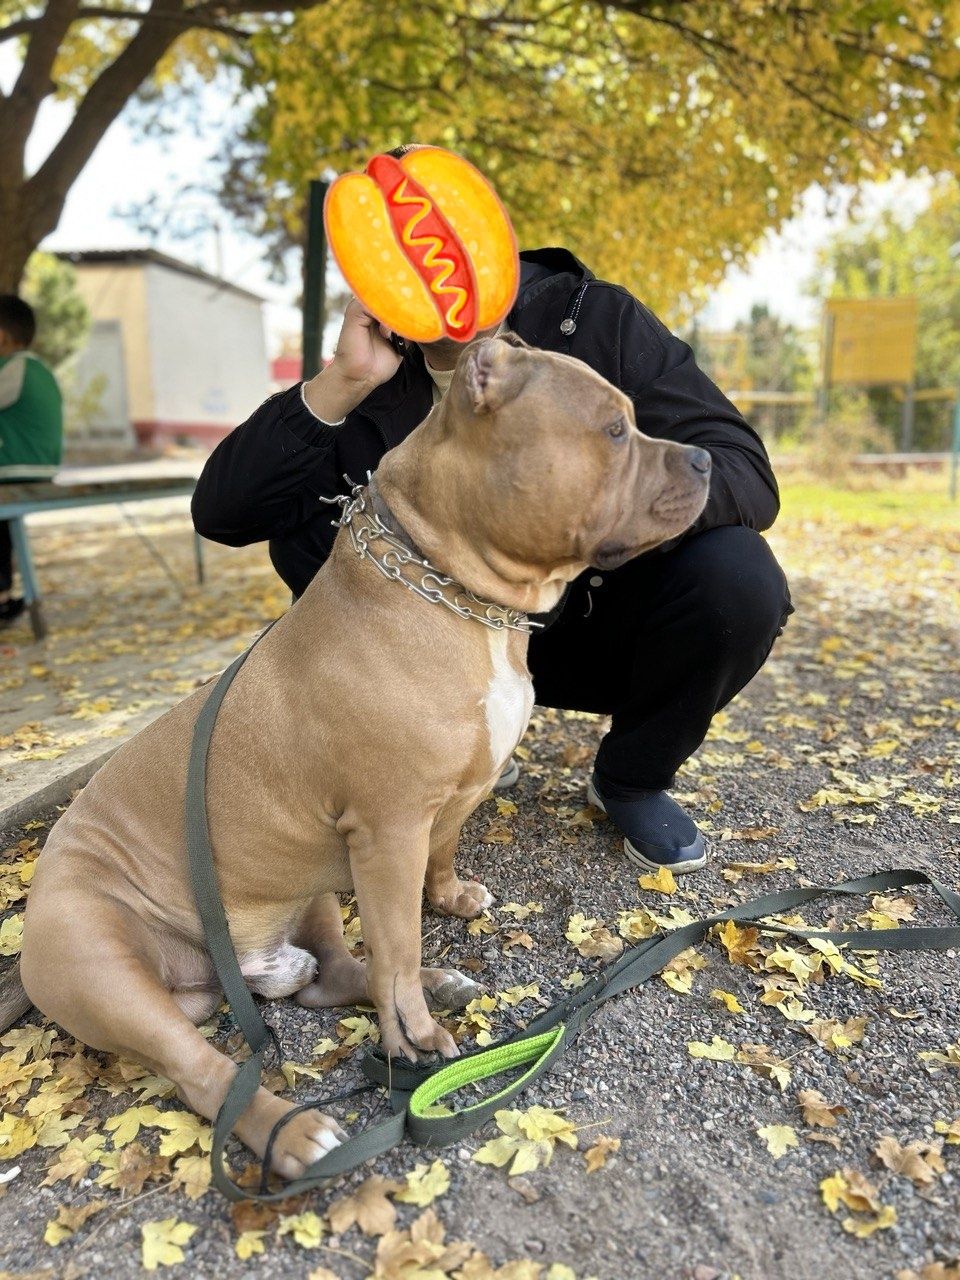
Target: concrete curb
56,792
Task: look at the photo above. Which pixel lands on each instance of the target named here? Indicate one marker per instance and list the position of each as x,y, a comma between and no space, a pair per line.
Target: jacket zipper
568,324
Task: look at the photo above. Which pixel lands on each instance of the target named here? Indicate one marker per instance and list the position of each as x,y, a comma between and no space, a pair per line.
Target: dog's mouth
671,513
612,554
679,503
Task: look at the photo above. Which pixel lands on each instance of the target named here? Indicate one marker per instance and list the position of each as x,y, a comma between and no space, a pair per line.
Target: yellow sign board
870,341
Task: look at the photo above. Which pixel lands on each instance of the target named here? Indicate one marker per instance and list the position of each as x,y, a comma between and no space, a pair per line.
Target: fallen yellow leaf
425,1184
718,1050
662,882
595,1157
306,1228
728,999
864,1227
69,1220
162,1242
779,1138
816,1109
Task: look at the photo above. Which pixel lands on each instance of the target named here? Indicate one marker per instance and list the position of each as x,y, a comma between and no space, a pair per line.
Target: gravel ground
864,683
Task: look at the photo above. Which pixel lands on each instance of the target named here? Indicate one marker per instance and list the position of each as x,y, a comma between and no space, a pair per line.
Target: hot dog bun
425,244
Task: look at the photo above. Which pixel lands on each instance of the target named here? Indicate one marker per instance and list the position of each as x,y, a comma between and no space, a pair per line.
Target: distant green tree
886,257
777,357
50,286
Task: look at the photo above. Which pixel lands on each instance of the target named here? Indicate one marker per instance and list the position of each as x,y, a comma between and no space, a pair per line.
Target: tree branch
46,191
206,16
18,112
242,8
183,19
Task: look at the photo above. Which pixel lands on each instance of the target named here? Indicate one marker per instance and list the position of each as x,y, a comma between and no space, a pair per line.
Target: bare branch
243,8
19,111
183,18
46,191
206,16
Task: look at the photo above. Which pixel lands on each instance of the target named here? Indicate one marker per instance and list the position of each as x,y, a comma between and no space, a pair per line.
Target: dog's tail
14,1001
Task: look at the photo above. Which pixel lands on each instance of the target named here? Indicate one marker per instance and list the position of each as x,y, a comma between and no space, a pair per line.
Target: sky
778,269
775,274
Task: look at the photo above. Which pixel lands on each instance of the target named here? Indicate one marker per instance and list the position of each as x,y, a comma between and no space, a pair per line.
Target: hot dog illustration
425,244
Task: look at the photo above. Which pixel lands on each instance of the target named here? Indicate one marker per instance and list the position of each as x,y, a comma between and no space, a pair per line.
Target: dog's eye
617,429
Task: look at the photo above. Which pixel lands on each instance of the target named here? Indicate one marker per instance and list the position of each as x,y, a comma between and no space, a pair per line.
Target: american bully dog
362,731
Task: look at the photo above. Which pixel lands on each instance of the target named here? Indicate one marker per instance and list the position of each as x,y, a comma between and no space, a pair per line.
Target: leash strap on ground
416,1091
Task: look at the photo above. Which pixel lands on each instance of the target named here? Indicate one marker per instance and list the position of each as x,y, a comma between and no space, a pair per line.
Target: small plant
830,446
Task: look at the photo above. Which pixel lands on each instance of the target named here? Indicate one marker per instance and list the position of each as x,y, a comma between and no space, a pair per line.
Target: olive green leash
415,1090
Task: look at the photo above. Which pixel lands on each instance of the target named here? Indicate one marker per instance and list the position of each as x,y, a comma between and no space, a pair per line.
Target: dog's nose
701,461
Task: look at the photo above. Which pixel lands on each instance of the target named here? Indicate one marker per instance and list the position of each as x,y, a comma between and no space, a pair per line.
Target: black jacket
264,479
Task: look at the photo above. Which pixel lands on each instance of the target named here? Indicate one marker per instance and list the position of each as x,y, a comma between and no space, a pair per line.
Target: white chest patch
508,701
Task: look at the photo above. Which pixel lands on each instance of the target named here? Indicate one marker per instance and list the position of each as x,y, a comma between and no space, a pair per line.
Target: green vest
31,428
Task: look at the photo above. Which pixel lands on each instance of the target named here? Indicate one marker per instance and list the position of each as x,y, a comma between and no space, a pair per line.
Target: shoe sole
639,859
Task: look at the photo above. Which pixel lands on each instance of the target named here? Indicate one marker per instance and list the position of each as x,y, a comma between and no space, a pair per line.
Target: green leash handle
538,1053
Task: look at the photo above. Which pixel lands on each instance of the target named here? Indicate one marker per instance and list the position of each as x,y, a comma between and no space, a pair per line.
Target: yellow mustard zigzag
432,257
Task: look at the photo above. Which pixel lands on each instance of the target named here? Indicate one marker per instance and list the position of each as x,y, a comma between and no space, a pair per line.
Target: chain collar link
395,555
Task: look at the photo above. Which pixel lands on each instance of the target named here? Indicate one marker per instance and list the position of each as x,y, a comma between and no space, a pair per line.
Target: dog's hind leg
94,974
340,979
344,980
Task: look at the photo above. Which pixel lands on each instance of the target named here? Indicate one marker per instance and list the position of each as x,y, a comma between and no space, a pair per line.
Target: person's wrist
331,395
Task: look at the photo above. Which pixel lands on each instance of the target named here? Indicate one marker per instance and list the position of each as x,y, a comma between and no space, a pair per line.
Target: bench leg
28,576
198,557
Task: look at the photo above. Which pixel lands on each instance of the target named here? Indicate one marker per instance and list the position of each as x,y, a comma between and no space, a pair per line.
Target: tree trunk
16,243
13,262
30,207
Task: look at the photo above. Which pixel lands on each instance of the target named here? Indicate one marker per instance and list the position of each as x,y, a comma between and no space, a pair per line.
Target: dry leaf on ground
368,1207
162,1242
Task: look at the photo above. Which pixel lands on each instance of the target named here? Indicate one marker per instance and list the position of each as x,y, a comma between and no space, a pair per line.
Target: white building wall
207,350
96,402
115,291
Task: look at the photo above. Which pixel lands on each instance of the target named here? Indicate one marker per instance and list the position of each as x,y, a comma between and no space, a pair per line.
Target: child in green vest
31,423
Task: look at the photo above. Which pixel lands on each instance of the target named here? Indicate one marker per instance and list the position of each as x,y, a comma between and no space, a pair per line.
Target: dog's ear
493,374
514,339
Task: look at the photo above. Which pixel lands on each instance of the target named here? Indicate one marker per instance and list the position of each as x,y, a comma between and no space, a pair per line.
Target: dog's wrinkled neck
387,517
377,536
435,520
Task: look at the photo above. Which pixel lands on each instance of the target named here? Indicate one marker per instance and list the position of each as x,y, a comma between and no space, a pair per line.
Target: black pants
6,557
662,644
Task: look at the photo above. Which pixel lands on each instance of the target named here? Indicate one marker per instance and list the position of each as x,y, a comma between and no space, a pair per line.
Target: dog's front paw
406,1027
303,1140
429,1038
459,898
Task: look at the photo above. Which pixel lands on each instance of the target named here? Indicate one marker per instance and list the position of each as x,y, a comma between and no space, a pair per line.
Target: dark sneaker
510,776
10,610
656,832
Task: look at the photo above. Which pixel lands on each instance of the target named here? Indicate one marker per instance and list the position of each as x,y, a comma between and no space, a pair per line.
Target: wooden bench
83,488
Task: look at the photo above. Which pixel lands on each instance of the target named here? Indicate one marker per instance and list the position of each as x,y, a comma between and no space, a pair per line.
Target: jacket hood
552,271
538,265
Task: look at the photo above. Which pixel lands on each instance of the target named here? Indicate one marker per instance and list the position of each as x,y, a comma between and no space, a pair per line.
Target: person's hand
364,353
364,358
